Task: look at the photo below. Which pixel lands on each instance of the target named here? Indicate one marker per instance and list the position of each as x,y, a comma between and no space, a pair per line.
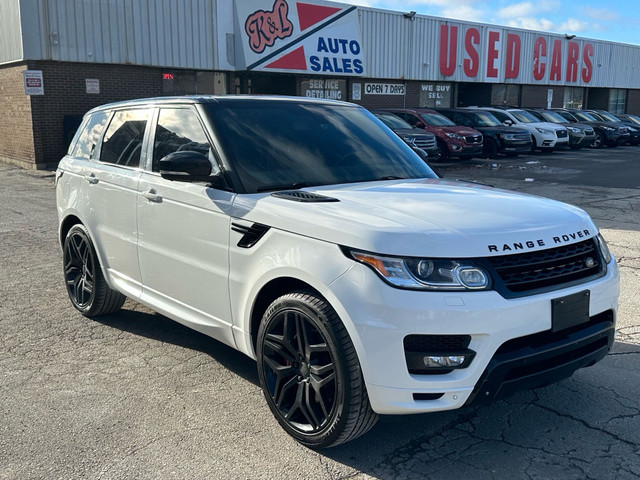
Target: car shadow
158,327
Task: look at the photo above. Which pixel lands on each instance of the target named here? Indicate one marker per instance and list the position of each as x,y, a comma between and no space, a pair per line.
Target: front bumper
379,317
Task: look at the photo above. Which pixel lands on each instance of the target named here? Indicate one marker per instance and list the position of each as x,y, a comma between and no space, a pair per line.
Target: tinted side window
179,130
122,143
90,135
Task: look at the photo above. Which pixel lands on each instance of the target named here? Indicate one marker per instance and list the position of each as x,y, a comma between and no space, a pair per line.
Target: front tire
86,286
310,374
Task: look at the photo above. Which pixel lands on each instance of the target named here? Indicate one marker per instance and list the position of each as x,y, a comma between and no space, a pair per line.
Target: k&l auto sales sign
285,35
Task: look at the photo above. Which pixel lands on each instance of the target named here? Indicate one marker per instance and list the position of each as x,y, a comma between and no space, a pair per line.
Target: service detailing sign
303,37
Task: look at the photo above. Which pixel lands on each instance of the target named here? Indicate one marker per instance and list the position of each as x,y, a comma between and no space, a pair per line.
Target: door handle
152,196
91,178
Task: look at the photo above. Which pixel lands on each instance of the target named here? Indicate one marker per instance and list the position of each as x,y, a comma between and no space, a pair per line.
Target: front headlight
574,129
425,273
609,129
508,136
410,140
544,131
455,136
604,249
632,129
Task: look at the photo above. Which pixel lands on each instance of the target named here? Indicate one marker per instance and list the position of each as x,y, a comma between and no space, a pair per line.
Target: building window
505,95
617,100
573,97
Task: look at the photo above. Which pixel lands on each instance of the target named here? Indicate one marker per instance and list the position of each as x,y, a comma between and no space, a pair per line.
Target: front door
183,233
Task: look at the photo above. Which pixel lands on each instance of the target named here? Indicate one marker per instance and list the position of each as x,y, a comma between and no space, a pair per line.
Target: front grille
561,133
473,139
424,142
527,272
588,133
522,137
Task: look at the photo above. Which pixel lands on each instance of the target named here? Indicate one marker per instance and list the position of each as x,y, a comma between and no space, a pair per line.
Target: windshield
634,118
538,115
523,116
553,117
437,120
280,144
484,119
584,117
608,117
391,121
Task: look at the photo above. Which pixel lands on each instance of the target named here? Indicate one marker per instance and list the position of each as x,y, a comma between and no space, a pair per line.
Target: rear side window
90,135
501,116
122,144
179,130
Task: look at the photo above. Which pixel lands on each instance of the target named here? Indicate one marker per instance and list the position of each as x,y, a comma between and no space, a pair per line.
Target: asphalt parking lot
135,395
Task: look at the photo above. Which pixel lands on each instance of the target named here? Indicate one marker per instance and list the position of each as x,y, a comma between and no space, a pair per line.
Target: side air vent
300,196
250,235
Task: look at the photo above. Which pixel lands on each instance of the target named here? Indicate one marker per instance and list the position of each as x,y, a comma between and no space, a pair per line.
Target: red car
453,140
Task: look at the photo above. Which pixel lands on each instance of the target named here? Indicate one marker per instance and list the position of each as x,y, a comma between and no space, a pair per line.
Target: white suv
307,235
546,135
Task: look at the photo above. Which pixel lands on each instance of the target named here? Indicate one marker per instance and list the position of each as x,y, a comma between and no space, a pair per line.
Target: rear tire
310,374
86,286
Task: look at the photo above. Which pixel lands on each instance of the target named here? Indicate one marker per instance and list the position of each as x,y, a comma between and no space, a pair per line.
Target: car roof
204,99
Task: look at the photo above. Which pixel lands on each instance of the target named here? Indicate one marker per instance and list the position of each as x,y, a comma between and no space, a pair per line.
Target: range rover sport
308,236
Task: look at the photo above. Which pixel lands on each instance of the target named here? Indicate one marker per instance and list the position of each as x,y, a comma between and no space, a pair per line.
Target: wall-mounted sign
291,36
333,89
356,91
33,82
92,85
435,95
384,88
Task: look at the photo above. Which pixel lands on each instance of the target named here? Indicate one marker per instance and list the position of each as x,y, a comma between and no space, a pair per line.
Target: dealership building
60,58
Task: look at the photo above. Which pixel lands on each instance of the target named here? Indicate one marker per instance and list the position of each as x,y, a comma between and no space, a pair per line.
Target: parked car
580,135
414,137
453,140
497,138
305,234
628,119
546,136
603,115
606,134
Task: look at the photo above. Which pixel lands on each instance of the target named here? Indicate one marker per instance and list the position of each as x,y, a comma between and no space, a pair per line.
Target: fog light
457,148
446,361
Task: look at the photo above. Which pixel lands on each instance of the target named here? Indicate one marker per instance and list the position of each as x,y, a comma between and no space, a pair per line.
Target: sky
616,21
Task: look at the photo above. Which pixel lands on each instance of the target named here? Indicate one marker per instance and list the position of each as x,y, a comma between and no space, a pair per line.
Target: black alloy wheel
310,374
86,286
443,149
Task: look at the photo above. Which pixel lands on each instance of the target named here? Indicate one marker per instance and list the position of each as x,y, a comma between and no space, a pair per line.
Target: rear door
184,232
112,188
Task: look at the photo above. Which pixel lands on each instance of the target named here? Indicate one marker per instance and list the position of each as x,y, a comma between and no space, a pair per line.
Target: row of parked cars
488,131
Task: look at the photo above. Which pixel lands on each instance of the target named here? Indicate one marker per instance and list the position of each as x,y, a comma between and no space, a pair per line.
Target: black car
580,134
634,131
414,137
498,138
606,134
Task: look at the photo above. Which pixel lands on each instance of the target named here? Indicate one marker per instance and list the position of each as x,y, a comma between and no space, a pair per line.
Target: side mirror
189,166
508,122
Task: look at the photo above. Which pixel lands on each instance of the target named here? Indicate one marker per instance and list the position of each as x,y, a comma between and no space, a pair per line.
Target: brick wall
535,96
65,95
633,102
16,130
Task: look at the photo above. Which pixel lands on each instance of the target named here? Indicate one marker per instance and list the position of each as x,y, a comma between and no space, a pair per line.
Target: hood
501,129
412,132
464,131
548,125
423,217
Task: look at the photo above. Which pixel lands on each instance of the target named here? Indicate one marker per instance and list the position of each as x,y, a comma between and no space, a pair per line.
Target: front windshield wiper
285,186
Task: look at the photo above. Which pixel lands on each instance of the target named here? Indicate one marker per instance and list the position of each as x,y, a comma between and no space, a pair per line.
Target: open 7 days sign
285,35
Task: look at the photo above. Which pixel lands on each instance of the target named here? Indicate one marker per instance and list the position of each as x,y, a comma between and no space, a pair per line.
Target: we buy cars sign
307,37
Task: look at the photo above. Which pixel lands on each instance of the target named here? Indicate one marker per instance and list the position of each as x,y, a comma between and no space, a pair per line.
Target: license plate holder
569,311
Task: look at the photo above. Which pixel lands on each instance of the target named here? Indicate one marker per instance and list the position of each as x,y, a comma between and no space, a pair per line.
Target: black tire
490,148
599,142
534,144
443,150
310,374
86,286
